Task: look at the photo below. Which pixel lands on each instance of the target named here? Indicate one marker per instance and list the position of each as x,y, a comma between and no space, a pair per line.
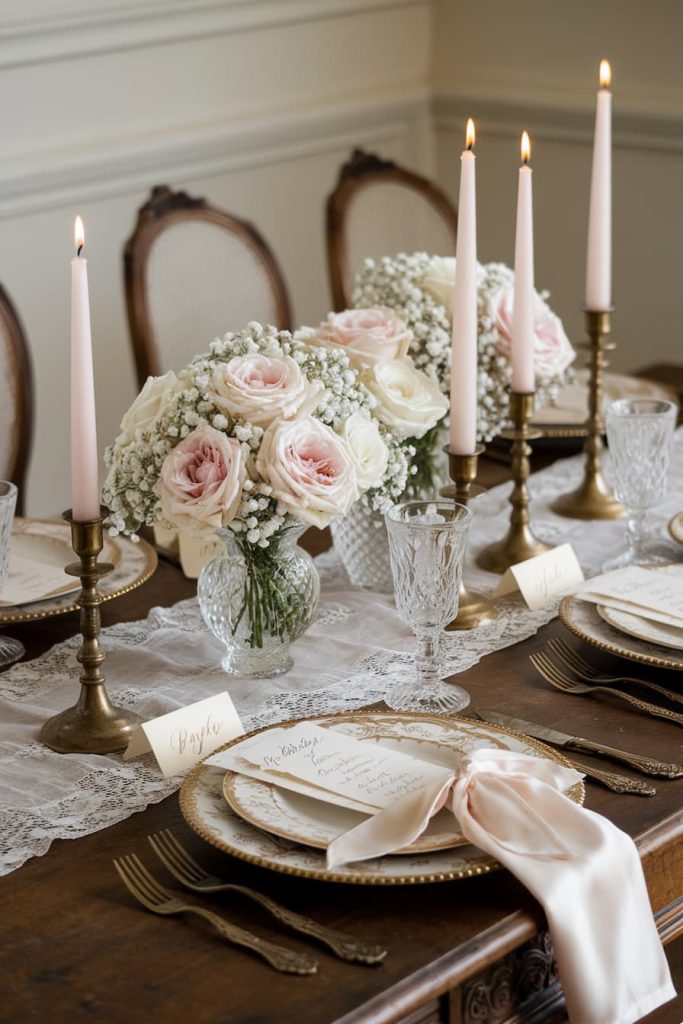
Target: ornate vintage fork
187,871
589,674
152,895
561,680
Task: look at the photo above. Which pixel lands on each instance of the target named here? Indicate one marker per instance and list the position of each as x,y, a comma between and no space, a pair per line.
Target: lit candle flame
469,133
525,147
605,74
79,234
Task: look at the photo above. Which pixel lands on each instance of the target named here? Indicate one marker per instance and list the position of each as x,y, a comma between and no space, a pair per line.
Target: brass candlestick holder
93,725
473,609
593,498
519,543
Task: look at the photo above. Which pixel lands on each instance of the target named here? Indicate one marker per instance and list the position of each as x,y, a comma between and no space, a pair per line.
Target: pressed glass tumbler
427,545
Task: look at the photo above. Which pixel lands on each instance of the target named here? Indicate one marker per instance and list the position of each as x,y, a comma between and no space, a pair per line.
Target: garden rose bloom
309,468
439,281
369,452
152,401
366,335
260,388
553,352
408,401
201,481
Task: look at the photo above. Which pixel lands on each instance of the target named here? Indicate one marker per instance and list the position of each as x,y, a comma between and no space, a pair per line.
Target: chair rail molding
50,180
562,122
40,31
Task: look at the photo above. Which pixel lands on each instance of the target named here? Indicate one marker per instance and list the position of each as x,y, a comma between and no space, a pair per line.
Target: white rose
439,281
147,408
366,335
309,468
368,450
408,402
259,389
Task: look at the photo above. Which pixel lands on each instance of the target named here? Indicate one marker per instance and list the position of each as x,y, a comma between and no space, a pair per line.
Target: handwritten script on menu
330,761
651,593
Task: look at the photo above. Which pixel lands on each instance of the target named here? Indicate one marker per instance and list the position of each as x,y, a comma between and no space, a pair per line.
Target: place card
182,738
544,578
29,580
645,592
331,766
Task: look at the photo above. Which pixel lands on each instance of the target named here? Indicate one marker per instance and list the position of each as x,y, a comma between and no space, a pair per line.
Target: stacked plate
37,586
275,828
624,633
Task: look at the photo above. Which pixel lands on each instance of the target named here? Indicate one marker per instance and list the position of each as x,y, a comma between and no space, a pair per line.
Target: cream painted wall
533,64
254,103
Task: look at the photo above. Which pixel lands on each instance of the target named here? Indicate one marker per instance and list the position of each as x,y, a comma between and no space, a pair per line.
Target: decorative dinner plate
133,565
643,629
567,416
583,620
676,527
204,807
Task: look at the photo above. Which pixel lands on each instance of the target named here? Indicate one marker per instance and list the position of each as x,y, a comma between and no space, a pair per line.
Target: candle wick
78,251
469,147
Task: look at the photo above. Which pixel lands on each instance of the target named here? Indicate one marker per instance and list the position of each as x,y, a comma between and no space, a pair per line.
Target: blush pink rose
553,352
368,336
259,388
201,481
310,469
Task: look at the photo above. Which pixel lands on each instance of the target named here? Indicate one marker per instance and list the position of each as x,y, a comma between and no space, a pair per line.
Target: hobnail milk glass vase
360,539
259,604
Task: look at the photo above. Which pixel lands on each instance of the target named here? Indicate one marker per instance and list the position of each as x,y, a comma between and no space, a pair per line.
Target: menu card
649,593
330,765
30,580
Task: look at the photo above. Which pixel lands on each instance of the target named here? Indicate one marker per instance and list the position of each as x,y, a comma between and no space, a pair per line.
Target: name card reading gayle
544,578
332,763
182,738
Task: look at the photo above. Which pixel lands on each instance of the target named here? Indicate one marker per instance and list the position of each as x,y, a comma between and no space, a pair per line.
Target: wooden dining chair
192,273
379,209
16,398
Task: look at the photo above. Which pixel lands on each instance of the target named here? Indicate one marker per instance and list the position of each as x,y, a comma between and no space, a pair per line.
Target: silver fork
589,674
186,870
153,896
559,678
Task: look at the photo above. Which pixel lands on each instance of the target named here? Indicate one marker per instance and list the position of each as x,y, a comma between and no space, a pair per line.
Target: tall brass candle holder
593,498
93,725
519,542
473,609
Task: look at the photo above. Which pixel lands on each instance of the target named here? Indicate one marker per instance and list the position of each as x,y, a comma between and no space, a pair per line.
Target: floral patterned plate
206,811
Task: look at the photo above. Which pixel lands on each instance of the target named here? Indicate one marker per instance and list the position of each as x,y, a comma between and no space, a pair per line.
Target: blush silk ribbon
584,871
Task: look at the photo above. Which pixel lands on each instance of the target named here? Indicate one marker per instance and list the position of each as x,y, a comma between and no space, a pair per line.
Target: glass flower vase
258,601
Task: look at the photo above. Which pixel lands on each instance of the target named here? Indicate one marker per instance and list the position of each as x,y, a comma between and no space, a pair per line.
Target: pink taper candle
522,344
85,488
599,258
463,439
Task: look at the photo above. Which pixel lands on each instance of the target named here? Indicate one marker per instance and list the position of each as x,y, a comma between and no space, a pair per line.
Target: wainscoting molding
37,31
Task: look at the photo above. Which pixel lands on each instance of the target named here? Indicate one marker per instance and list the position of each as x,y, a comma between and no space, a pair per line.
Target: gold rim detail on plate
482,866
602,633
33,613
676,527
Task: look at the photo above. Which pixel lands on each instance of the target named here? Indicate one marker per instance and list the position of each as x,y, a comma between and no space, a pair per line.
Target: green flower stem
270,603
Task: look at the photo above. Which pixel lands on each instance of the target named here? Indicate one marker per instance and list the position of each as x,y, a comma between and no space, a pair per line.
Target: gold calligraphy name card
182,738
649,593
331,766
541,580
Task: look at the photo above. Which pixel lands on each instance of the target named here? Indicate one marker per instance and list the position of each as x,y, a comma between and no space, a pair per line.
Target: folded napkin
583,870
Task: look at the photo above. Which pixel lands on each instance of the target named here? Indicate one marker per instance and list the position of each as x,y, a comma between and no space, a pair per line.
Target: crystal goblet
10,650
427,545
639,435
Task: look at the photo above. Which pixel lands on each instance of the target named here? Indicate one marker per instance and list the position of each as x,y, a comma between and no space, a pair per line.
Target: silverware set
155,897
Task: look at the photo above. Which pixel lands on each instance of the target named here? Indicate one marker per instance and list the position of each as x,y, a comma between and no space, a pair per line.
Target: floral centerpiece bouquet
261,437
419,288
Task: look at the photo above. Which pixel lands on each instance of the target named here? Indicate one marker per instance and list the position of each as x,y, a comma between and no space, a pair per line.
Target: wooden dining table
76,948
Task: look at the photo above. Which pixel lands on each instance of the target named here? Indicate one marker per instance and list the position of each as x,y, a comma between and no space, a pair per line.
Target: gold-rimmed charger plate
676,527
133,565
583,620
670,637
204,808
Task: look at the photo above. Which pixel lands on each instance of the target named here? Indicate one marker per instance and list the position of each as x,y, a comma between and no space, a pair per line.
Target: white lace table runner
169,659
